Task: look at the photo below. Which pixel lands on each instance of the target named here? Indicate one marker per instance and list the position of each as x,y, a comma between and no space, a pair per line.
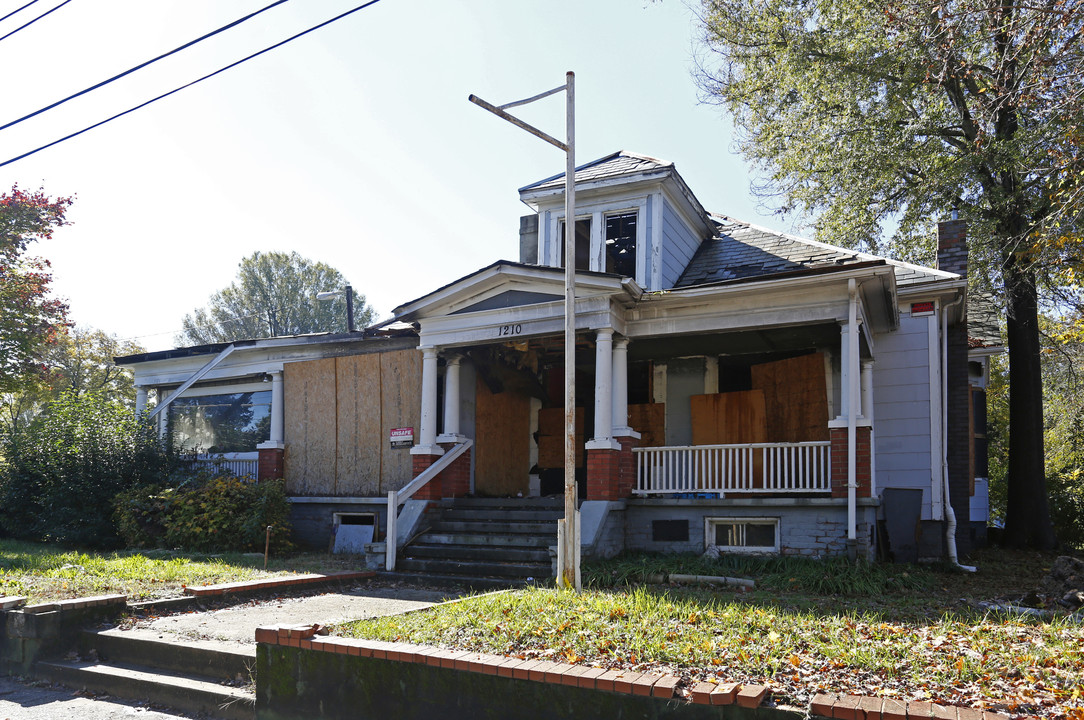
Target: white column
852,386
867,390
621,390
141,400
276,439
427,433
276,408
451,400
603,438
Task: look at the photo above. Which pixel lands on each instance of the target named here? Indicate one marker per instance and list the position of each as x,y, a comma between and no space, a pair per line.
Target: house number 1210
509,330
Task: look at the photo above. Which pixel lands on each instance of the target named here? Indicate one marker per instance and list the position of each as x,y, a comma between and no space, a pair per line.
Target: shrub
206,513
61,473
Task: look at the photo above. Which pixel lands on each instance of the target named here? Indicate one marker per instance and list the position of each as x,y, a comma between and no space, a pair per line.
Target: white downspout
852,415
949,515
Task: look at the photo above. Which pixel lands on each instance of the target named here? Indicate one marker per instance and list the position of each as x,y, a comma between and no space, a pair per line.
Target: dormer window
583,243
621,244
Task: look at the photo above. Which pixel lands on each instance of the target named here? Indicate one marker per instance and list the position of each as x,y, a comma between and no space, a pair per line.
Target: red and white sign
400,437
921,308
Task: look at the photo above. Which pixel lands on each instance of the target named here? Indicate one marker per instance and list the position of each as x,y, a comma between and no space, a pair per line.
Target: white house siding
679,244
901,382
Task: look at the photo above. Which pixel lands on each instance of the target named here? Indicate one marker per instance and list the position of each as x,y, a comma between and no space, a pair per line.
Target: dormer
635,217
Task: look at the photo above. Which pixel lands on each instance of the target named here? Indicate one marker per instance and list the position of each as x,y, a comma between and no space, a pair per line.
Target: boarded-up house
737,388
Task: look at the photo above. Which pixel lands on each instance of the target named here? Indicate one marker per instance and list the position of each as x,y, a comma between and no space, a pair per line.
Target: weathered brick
665,687
701,692
724,694
751,696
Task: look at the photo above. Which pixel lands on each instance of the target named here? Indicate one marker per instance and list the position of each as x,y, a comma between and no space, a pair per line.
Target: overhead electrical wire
194,82
18,10
39,17
144,64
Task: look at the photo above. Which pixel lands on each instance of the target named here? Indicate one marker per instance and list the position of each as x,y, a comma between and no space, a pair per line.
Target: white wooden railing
242,468
398,497
751,468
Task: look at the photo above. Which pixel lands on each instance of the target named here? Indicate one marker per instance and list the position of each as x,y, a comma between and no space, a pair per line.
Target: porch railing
242,468
750,468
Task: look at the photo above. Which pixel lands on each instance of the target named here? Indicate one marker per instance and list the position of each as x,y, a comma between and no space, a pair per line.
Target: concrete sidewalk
235,626
26,701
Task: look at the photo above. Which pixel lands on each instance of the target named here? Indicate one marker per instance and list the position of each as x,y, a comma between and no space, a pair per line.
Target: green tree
81,361
29,318
274,294
866,115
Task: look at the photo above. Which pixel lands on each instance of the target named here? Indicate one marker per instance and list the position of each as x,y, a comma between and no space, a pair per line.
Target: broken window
621,244
583,243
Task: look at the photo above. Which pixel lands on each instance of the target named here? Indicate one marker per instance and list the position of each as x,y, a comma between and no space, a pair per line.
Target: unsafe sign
921,308
401,437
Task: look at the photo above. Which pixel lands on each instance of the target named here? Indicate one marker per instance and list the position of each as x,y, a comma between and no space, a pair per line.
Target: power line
194,82
18,10
143,65
39,17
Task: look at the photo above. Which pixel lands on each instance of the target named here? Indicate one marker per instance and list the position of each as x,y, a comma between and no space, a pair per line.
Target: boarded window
670,530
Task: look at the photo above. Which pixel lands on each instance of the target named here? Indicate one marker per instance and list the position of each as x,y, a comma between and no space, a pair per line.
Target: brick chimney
952,257
952,246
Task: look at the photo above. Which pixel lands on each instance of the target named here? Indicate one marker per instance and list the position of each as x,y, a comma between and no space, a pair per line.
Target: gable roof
616,165
742,250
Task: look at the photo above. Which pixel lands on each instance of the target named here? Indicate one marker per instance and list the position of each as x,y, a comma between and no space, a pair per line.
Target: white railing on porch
749,468
241,468
398,497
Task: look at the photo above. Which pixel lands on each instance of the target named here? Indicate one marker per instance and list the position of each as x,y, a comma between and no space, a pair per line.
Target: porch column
271,453
451,400
623,432
867,416
621,390
427,433
603,451
141,400
603,438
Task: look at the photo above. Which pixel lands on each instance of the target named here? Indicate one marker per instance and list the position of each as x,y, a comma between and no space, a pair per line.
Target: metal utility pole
568,534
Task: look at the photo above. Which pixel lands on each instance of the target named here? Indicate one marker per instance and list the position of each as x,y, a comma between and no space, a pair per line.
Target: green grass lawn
45,572
889,631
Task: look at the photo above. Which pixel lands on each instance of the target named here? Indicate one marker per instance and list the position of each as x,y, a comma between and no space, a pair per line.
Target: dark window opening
670,530
621,244
583,243
740,534
640,378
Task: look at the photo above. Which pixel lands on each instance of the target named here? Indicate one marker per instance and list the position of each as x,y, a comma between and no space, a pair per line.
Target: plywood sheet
401,406
502,453
359,441
309,421
728,418
795,397
551,438
649,420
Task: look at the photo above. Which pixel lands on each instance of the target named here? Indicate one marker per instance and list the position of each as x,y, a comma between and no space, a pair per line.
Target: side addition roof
619,164
742,250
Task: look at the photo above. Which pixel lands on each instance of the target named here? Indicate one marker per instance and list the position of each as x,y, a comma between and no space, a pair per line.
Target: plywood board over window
649,419
795,398
729,418
337,415
551,438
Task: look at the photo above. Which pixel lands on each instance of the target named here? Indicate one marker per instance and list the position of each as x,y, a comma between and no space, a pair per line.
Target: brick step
504,528
188,693
474,568
121,646
433,537
478,552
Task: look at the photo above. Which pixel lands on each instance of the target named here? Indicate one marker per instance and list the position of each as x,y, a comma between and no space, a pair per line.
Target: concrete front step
474,568
478,552
501,515
505,528
135,682
221,663
490,539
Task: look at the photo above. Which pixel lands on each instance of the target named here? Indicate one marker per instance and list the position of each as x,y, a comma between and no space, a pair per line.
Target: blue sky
355,145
